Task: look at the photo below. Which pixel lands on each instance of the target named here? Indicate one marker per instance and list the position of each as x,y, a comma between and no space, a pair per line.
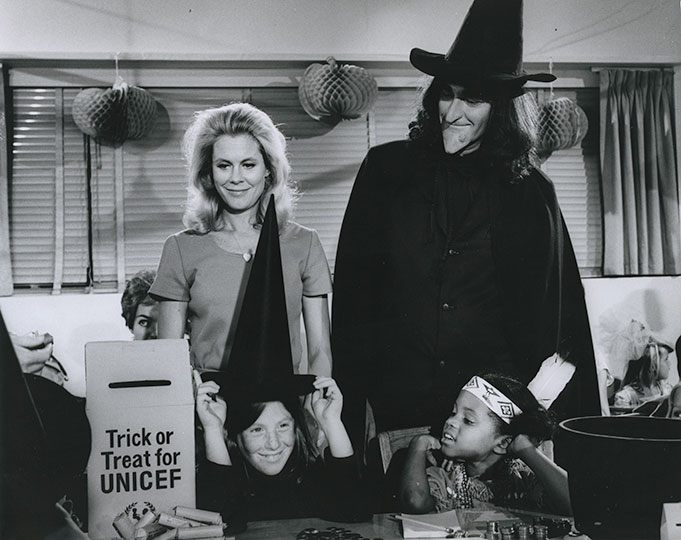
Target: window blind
154,173
76,260
392,113
138,190
575,173
324,161
34,206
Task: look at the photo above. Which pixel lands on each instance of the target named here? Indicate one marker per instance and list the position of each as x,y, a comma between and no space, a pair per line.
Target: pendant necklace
246,254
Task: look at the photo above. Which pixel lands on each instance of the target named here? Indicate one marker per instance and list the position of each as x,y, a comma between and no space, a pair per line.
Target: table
383,526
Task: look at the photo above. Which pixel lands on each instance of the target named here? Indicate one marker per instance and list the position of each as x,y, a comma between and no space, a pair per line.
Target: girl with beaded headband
236,159
487,452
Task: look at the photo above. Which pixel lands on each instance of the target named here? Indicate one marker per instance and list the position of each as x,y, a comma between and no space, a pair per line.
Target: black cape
400,300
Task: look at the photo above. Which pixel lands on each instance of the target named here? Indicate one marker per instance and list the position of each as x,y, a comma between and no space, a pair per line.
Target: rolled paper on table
175,522
124,526
168,535
193,533
150,531
145,520
209,531
215,538
213,518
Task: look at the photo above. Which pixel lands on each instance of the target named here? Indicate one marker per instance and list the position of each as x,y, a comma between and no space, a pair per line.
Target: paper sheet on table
473,520
430,525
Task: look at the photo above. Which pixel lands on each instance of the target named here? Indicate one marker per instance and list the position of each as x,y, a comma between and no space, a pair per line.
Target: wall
562,30
75,319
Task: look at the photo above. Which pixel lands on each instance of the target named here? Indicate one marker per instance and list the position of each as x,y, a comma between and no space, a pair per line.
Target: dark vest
444,308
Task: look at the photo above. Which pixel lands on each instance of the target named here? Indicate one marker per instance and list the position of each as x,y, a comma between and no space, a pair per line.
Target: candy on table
124,526
331,533
168,520
492,532
523,532
149,531
205,516
541,532
193,533
554,526
185,524
147,518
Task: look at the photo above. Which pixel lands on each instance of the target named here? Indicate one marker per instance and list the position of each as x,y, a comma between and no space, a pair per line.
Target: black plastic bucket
621,469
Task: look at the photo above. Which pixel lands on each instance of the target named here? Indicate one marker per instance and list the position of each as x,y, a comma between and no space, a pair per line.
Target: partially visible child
140,310
646,378
487,452
261,462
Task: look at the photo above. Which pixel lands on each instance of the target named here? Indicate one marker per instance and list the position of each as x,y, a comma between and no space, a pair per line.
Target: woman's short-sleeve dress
195,269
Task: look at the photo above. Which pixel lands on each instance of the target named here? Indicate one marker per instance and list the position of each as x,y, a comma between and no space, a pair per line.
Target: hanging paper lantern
114,114
336,91
562,124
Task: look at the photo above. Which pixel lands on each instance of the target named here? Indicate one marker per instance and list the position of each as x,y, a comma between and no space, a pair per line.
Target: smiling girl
487,452
262,462
236,159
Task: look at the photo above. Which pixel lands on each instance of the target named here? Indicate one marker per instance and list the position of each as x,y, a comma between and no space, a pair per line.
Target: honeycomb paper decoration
562,124
334,91
115,114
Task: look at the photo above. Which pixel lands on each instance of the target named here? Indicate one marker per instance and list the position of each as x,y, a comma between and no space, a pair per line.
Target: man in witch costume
261,462
453,256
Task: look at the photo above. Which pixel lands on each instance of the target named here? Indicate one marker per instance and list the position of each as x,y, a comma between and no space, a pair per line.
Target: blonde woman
237,158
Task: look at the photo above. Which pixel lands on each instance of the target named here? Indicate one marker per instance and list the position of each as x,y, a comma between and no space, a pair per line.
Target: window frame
245,77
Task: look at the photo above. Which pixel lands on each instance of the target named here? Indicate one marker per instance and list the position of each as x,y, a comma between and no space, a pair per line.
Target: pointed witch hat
260,365
487,54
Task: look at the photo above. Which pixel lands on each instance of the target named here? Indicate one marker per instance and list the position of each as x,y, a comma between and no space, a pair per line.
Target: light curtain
640,190
6,284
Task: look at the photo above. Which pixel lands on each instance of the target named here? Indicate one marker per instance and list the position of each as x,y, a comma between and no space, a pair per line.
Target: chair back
391,441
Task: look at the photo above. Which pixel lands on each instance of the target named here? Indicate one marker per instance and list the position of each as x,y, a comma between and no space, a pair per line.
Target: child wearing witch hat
261,462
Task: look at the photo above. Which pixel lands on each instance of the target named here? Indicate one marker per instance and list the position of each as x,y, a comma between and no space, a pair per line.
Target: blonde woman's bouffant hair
203,212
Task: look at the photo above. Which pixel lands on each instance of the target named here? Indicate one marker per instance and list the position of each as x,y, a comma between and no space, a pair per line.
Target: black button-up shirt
444,270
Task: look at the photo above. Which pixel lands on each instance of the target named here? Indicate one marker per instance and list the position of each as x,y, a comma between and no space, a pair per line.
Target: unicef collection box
140,404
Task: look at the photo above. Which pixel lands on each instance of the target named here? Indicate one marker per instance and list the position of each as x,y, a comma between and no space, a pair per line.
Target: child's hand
327,404
425,443
210,407
521,443
327,400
